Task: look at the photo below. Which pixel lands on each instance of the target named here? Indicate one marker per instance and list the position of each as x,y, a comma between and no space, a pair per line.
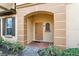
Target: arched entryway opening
39,26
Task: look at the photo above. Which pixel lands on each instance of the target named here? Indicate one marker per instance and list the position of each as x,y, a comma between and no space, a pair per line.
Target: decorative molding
60,21
60,29
59,37
27,5
61,45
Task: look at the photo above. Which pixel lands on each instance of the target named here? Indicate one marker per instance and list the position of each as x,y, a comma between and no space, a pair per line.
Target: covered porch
39,27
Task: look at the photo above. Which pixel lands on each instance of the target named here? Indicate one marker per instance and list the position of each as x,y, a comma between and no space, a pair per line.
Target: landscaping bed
7,48
15,49
53,51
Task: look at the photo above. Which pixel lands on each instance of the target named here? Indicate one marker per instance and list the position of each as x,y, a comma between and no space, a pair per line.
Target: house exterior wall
65,30
29,30
72,19
59,21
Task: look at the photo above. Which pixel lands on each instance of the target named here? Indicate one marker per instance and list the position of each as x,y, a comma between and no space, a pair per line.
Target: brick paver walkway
32,48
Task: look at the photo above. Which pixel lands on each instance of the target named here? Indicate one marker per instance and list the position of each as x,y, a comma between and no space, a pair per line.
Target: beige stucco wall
72,22
29,30
58,9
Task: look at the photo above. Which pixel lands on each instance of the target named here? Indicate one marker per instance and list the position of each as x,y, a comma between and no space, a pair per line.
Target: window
47,27
9,26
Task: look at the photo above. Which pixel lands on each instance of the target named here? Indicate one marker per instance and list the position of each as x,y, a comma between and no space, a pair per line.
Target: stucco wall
72,22
29,30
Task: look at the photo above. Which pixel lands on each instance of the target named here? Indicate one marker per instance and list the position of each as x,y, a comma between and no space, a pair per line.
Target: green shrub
13,48
53,51
7,45
50,51
1,40
16,48
71,52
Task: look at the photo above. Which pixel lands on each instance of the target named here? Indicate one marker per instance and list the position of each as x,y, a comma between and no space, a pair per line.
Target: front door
39,31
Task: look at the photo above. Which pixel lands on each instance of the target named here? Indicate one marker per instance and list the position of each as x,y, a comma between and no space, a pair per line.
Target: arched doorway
39,26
